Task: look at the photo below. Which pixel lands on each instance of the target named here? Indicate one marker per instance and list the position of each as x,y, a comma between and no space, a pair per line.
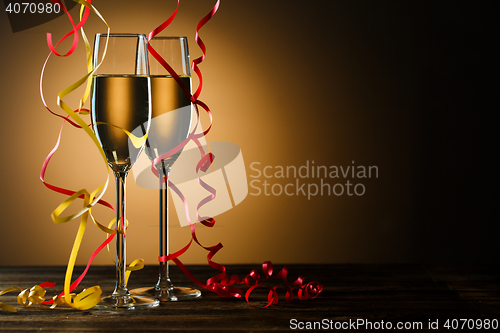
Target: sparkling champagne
171,117
120,102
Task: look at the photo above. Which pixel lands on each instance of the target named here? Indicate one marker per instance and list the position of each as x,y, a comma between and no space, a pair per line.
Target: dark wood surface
374,293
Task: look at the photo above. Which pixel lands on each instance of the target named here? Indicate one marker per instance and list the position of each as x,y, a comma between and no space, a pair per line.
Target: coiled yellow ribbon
5,306
36,295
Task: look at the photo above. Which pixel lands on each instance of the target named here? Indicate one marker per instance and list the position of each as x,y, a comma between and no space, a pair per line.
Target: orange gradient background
384,84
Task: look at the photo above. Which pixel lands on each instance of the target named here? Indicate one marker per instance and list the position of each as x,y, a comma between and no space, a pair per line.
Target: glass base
130,302
172,294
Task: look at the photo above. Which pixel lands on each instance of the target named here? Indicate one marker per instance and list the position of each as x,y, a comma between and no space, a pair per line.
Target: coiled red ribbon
220,283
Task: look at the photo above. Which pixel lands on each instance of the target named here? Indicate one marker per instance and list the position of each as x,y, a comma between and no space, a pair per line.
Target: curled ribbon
220,283
305,291
27,297
90,296
4,306
222,288
80,301
205,158
136,141
36,295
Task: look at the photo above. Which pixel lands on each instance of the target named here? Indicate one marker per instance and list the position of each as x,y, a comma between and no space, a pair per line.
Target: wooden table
376,295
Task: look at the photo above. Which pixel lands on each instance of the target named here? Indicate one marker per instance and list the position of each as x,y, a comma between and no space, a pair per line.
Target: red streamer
205,159
52,48
220,283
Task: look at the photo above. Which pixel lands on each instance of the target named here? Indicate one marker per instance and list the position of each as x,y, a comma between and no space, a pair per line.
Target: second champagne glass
170,126
121,112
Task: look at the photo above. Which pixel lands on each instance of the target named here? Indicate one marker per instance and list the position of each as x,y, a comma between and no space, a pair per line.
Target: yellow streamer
89,297
108,229
138,142
5,306
136,265
92,295
36,295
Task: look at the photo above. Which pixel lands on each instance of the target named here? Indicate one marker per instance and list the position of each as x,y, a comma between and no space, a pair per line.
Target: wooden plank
392,293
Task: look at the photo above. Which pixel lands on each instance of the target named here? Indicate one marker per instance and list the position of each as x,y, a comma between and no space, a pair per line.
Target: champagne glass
121,112
170,126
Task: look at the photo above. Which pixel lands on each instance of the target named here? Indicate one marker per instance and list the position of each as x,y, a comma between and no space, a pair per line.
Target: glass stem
164,279
121,259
